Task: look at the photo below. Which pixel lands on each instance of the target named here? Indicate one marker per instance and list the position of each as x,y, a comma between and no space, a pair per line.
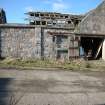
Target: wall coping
16,25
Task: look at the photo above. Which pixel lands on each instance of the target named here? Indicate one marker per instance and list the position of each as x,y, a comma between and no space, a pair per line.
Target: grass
37,63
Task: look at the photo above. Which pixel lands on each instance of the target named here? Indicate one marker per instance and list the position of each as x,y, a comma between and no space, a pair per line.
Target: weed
46,63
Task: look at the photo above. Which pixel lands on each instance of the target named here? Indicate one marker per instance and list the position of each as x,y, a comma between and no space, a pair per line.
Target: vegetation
43,64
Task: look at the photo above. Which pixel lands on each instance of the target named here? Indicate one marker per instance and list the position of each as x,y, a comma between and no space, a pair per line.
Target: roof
94,22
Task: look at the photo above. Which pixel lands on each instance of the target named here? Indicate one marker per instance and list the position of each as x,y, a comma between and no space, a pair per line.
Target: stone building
56,36
92,32
53,19
2,16
46,41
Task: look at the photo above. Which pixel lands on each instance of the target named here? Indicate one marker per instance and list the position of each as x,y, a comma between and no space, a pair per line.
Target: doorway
92,47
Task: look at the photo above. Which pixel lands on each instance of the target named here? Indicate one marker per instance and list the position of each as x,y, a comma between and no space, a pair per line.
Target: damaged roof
94,22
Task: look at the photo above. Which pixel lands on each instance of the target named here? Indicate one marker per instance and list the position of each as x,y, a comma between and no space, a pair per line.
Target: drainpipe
42,43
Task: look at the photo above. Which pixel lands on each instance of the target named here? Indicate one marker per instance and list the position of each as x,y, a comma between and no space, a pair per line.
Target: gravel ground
37,87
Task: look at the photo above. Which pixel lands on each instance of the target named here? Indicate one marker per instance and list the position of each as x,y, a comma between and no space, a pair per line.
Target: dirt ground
38,87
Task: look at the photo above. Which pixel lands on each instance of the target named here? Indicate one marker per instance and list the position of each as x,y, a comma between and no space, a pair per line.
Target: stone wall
21,42
57,44
34,42
49,47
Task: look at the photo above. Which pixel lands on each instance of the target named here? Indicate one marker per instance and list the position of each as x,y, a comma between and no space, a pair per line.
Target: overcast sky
15,9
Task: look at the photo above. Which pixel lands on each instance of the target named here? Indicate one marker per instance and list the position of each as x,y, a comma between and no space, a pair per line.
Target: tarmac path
38,87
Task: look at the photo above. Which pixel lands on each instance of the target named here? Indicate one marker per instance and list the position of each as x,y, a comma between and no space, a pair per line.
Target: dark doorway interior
92,47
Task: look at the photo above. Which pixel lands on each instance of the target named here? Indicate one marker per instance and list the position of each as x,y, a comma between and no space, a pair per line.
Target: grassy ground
68,65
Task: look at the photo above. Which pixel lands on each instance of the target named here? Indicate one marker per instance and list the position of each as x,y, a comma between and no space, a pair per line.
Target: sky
15,9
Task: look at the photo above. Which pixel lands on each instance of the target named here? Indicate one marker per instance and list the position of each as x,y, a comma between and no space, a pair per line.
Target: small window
41,14
37,22
53,38
56,15
43,22
52,15
66,16
61,16
37,15
32,23
47,15
69,22
31,14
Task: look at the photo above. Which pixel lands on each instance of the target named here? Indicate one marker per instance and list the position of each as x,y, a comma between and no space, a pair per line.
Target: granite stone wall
34,42
49,47
57,44
21,42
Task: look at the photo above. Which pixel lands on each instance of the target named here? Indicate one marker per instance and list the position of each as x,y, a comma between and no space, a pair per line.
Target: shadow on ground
4,91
